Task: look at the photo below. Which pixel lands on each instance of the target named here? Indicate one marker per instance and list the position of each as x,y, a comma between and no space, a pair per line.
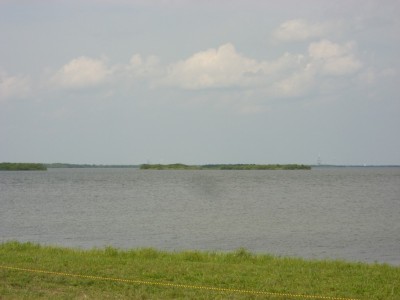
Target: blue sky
128,82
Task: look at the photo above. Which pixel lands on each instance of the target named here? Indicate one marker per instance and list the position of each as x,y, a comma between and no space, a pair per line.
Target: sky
199,82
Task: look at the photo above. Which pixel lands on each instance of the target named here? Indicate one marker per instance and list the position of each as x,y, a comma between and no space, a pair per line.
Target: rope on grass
176,285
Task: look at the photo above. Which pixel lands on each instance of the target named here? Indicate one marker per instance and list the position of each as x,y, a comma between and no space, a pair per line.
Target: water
339,213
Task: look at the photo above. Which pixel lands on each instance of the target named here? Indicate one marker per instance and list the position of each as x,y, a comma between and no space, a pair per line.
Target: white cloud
144,67
290,75
297,84
213,68
302,30
326,49
334,59
225,67
341,65
13,86
81,72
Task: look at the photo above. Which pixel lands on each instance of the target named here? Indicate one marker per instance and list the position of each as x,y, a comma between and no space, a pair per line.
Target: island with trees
179,166
86,166
7,166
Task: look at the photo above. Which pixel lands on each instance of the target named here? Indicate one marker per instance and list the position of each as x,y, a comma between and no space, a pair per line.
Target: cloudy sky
129,82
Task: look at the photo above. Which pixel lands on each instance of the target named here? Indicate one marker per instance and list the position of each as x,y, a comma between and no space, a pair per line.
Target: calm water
346,213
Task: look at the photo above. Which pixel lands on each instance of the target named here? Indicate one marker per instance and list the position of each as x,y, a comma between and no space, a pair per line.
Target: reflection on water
349,213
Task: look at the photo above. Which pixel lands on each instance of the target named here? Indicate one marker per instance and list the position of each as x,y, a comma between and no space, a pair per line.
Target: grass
234,270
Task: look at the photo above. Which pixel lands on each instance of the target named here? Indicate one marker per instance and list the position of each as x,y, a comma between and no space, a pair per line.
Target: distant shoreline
355,166
87,166
7,166
179,166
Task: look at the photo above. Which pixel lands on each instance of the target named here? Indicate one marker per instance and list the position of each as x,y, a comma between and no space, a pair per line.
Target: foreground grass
237,270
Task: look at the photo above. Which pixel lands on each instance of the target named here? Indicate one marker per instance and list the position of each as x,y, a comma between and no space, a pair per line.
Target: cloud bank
302,30
224,67
334,59
13,86
214,68
81,72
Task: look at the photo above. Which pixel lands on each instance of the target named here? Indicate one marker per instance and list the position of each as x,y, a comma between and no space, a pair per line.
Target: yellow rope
184,286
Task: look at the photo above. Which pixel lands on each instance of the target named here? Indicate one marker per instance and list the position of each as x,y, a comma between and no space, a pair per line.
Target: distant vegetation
224,167
257,167
62,165
169,167
35,166
22,167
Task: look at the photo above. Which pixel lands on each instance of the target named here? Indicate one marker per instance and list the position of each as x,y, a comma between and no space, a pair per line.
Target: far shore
179,166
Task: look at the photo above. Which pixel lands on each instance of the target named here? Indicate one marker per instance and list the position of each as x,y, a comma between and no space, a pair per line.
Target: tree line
6,166
179,166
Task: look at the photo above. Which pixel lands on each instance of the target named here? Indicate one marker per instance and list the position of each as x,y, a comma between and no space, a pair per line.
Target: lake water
339,213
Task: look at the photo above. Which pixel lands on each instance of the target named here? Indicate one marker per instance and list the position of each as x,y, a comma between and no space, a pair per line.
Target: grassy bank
237,270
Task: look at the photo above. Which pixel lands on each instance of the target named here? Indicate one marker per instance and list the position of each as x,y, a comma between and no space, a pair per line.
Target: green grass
235,270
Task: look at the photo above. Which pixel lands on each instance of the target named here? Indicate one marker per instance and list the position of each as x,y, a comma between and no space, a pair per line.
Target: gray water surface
339,213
